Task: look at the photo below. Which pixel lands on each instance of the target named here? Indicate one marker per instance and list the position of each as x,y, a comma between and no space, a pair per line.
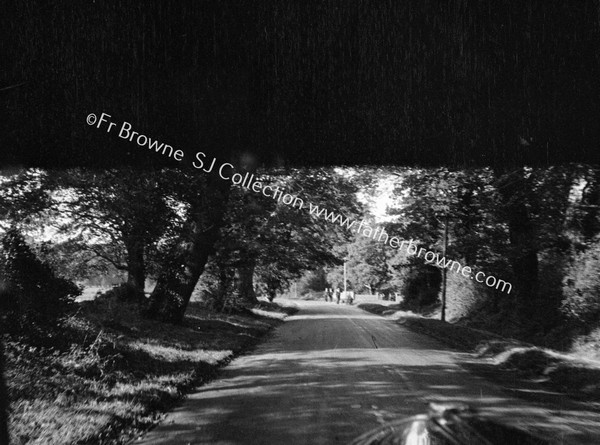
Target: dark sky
460,83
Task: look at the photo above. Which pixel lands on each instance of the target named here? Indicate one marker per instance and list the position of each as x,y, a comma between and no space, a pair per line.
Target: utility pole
443,318
344,275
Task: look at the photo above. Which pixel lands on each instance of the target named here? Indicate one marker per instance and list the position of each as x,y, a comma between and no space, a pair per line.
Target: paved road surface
330,373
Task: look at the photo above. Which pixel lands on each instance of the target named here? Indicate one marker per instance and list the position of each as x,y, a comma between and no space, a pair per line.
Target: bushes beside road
501,357
111,372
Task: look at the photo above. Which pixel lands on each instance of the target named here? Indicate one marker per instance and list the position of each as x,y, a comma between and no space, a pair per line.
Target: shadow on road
326,376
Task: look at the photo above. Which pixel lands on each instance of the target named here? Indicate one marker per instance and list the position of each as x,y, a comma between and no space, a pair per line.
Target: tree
312,281
445,211
115,215
585,216
366,265
206,198
507,224
534,205
274,242
126,210
32,297
23,194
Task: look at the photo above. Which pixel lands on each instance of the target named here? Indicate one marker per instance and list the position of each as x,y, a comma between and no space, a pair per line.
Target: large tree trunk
523,255
524,261
174,288
175,285
244,277
136,268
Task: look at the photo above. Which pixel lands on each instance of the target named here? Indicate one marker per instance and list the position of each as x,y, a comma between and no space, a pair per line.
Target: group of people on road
330,294
336,294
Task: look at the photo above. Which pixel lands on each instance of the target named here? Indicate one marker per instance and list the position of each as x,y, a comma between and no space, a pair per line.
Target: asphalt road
332,372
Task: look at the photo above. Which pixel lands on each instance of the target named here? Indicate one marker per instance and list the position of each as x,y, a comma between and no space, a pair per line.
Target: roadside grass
113,372
505,359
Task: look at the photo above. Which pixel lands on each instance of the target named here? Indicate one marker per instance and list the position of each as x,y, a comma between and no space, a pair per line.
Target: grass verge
506,360
113,372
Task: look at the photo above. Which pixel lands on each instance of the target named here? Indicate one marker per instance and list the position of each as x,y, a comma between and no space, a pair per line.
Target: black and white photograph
269,222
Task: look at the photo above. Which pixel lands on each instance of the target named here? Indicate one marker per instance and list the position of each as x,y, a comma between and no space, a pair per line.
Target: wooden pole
445,248
344,277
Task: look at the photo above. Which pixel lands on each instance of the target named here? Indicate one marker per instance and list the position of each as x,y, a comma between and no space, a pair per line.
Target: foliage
217,287
534,227
204,200
128,369
97,221
119,215
367,268
427,201
582,288
22,195
75,259
266,240
464,199
32,297
421,286
123,292
312,282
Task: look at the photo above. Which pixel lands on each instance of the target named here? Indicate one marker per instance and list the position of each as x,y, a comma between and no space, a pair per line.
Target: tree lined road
332,372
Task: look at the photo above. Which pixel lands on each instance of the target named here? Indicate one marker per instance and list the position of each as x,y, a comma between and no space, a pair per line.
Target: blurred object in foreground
446,425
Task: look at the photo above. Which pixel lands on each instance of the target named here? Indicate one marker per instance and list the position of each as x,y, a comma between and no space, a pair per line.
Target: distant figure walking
337,294
328,294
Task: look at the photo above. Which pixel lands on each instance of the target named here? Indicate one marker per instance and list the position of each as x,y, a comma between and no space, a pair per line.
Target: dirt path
331,372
